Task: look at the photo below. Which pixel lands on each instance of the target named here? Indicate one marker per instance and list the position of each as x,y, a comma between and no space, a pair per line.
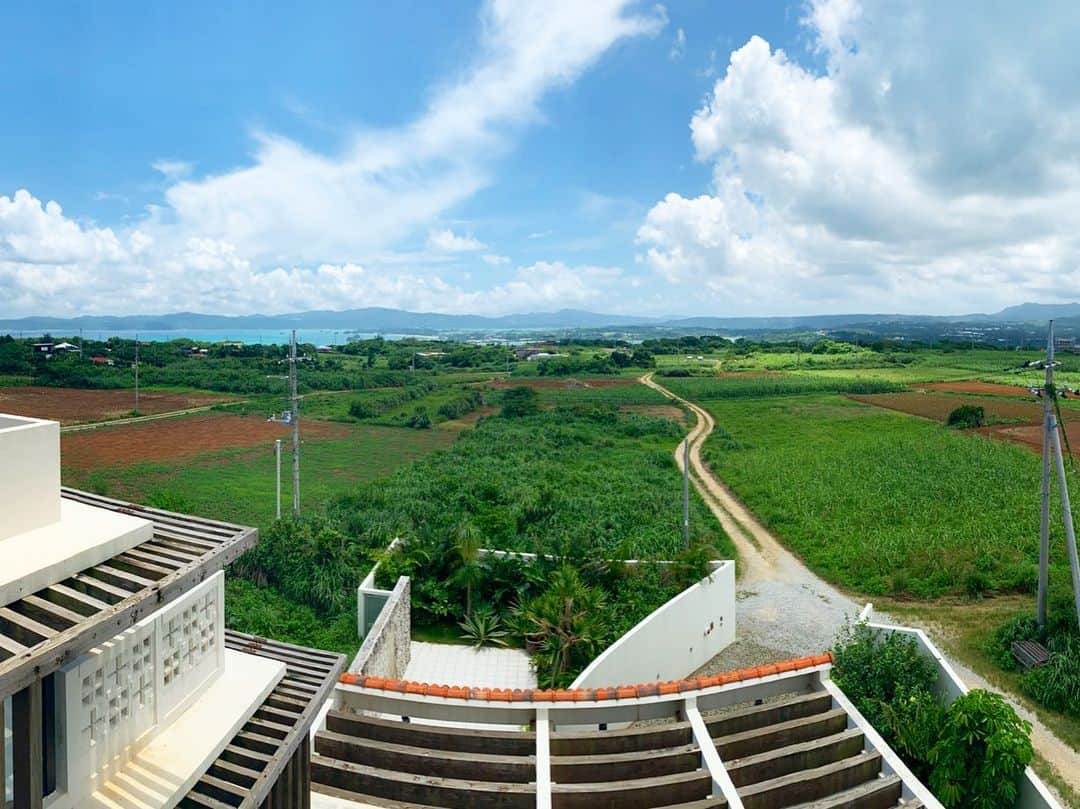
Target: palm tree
467,544
567,624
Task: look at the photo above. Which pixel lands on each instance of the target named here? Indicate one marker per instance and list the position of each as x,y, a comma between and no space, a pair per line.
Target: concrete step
781,734
625,740
784,709
882,792
368,800
643,793
441,763
813,784
362,781
432,737
625,766
795,757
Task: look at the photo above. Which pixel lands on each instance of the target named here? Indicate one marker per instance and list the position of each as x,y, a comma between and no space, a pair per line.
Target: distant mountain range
398,321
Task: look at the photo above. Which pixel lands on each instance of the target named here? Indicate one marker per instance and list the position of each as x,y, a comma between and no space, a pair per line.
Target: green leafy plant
565,626
966,417
876,669
520,401
983,749
1057,683
483,627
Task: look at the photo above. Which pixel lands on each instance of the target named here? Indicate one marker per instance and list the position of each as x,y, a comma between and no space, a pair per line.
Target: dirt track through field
784,609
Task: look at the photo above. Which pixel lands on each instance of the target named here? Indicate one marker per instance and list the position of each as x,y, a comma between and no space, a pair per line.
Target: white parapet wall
1033,793
673,641
29,474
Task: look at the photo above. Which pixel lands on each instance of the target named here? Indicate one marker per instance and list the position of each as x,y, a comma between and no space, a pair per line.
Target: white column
710,759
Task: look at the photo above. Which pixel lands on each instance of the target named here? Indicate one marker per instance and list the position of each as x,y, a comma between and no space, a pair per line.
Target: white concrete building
120,685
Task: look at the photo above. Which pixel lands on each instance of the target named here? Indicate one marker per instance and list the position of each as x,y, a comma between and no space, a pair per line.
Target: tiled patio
451,664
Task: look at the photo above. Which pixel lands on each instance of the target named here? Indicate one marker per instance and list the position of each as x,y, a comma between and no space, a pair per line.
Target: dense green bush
875,670
1056,684
970,754
520,401
981,753
967,417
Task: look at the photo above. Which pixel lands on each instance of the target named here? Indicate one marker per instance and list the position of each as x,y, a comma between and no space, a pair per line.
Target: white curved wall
675,640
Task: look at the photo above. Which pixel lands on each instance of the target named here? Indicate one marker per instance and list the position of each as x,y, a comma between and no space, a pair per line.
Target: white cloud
931,167
446,241
51,264
495,260
173,170
678,46
293,203
294,226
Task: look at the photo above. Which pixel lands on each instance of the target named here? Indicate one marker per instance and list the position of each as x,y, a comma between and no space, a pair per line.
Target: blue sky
700,157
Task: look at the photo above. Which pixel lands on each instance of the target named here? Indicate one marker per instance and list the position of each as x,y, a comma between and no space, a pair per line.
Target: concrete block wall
117,697
386,648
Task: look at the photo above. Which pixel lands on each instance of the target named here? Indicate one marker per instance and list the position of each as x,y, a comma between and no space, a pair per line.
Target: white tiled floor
449,664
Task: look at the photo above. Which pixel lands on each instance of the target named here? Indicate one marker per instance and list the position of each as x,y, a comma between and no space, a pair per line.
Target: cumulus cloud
446,241
293,226
930,166
51,263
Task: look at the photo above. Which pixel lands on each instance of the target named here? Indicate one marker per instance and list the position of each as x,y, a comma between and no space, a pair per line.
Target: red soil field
73,405
969,386
562,383
184,437
937,406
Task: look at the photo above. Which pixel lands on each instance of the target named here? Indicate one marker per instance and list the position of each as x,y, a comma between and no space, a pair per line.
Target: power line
295,418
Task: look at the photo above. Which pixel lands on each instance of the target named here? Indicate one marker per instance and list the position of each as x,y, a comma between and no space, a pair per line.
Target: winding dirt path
784,609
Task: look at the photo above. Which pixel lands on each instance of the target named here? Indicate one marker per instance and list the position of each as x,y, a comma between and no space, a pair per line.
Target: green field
882,502
237,485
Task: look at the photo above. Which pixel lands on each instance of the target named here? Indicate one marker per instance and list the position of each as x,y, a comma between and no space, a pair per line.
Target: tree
467,544
520,401
567,624
983,750
967,416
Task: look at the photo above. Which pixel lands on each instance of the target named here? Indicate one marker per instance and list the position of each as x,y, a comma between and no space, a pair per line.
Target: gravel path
784,610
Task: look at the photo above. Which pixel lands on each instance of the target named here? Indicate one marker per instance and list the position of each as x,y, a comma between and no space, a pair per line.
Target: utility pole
277,463
294,401
1053,437
136,374
686,494
1044,524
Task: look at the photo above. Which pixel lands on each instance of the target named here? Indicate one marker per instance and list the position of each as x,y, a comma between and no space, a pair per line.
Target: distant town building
1065,345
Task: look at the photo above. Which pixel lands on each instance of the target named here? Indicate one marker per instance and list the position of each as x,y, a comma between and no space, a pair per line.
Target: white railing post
710,759
543,759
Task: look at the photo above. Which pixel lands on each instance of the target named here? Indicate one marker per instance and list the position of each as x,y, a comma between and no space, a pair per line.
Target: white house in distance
121,686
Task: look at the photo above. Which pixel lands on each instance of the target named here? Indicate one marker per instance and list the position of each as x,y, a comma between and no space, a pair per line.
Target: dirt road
784,609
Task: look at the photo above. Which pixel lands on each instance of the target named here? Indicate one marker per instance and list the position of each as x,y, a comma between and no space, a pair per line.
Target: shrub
1057,684
983,749
483,628
419,420
966,417
874,669
520,401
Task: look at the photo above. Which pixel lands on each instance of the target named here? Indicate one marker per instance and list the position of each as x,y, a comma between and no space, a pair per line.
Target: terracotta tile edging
610,693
